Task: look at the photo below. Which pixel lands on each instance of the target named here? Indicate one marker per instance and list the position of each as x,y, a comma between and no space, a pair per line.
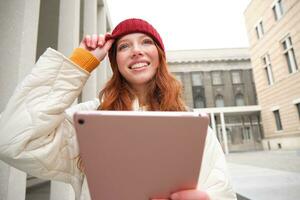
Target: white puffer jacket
38,137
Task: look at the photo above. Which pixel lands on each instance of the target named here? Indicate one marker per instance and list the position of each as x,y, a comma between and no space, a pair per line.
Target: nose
136,50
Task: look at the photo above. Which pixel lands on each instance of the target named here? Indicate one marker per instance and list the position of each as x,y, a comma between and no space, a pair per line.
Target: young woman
36,128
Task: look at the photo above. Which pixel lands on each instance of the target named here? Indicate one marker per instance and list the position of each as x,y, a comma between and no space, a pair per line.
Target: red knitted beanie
134,25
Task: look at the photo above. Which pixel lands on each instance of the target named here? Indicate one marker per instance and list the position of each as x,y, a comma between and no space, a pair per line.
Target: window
216,78
219,101
236,77
246,134
198,97
278,10
298,108
268,69
259,30
239,100
199,102
289,54
277,119
198,90
196,79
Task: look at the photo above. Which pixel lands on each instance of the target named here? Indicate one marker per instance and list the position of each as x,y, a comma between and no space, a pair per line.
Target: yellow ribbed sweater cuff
84,59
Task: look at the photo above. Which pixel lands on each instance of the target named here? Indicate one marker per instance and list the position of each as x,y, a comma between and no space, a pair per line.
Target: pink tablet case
139,156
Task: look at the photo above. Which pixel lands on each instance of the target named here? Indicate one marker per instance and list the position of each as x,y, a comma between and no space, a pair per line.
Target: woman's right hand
96,45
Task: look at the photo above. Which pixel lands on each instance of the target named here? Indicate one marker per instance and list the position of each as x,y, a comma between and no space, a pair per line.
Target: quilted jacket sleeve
36,135
214,177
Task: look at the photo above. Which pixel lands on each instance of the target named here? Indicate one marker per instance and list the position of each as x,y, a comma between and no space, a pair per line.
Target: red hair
164,91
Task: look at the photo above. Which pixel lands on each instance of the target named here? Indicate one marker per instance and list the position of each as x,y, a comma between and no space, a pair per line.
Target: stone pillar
68,39
102,71
69,21
188,91
19,26
90,27
12,183
224,133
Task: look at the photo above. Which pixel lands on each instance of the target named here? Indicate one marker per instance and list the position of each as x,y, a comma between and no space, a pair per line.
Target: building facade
219,81
27,29
273,30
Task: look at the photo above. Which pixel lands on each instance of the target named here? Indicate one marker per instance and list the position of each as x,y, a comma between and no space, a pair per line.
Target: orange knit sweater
84,59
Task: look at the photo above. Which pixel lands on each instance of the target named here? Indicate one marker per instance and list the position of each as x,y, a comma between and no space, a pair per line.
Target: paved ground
260,175
280,160
266,175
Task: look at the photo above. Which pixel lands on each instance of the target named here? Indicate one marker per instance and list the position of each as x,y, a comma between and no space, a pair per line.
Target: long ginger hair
164,91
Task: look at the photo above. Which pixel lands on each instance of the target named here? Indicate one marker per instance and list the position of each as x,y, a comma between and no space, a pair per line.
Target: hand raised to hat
96,45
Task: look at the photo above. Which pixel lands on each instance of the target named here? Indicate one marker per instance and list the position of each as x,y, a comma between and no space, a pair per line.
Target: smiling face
137,59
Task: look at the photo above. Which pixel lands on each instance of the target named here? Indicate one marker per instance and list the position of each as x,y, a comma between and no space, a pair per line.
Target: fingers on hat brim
108,36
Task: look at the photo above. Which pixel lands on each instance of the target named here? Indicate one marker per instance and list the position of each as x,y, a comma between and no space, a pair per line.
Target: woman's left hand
188,195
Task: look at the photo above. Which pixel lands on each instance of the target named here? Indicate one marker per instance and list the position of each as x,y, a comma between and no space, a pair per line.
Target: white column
68,39
213,122
90,27
19,25
224,133
12,183
69,21
103,70
29,38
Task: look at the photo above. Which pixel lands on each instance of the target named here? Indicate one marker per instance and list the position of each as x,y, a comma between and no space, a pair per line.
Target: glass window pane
298,108
290,41
290,55
239,100
275,13
257,33
265,60
236,78
199,102
294,59
284,45
277,120
198,96
280,7
268,69
269,76
216,76
219,101
196,79
287,58
261,28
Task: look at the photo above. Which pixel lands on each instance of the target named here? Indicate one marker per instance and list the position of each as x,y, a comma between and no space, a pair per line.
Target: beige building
274,33
219,82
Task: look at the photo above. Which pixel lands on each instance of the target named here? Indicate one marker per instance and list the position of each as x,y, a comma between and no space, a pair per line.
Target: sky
189,24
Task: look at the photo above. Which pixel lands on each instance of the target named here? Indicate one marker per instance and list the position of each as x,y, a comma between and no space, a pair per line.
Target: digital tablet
131,155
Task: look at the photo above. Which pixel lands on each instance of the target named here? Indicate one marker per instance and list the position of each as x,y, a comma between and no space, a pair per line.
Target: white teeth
139,65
